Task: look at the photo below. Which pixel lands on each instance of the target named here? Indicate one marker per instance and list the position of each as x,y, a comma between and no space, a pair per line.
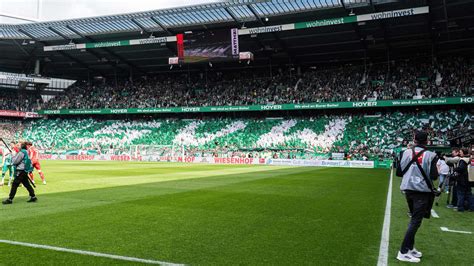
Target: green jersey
8,157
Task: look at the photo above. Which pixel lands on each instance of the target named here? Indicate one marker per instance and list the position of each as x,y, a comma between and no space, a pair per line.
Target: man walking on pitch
22,164
34,157
418,168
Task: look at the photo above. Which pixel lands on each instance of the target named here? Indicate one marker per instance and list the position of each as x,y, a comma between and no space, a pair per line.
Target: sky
47,10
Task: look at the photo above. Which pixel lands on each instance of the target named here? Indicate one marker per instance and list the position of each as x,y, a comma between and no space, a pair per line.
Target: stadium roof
161,20
448,27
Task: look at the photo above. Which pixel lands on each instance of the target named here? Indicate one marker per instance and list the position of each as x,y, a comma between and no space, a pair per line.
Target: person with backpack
23,166
418,168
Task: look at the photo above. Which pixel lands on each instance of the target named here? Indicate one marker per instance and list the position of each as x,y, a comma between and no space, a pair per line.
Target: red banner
180,45
12,113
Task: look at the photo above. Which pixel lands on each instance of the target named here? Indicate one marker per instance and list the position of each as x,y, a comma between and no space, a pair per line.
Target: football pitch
217,215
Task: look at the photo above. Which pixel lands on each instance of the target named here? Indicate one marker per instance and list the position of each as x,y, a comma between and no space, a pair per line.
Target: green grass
199,214
220,215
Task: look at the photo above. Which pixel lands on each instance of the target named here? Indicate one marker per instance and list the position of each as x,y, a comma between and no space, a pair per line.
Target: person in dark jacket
22,164
417,166
463,187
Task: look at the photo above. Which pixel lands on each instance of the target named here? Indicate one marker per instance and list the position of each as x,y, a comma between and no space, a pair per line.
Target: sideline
384,241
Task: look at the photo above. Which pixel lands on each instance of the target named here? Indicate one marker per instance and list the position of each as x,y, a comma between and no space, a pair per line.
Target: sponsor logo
234,38
334,163
190,109
119,111
31,114
151,40
103,44
80,157
393,14
11,77
271,107
12,113
60,47
364,104
361,164
25,79
325,22
234,160
467,100
266,29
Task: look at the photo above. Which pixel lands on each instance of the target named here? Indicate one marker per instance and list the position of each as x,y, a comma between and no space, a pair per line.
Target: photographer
418,168
463,187
23,166
453,162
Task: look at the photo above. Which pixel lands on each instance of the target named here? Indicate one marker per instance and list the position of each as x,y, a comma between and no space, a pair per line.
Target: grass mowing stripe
90,253
384,241
76,182
75,200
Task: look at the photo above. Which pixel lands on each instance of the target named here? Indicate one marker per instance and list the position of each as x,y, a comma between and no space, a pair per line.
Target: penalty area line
89,253
384,241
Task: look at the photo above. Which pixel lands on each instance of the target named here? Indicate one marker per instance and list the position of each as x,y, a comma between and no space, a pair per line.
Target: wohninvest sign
337,21
92,45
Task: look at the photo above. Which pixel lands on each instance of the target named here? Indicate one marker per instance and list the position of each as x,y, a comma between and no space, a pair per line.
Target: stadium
242,132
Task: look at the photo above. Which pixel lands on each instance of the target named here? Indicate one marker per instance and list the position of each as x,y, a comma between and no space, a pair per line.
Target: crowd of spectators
394,80
404,79
24,101
9,129
358,136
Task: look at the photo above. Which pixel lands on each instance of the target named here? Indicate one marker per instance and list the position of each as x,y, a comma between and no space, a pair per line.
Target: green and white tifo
217,215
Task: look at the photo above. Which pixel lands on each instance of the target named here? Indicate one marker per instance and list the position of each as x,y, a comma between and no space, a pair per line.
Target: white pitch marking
90,253
434,214
383,251
445,229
